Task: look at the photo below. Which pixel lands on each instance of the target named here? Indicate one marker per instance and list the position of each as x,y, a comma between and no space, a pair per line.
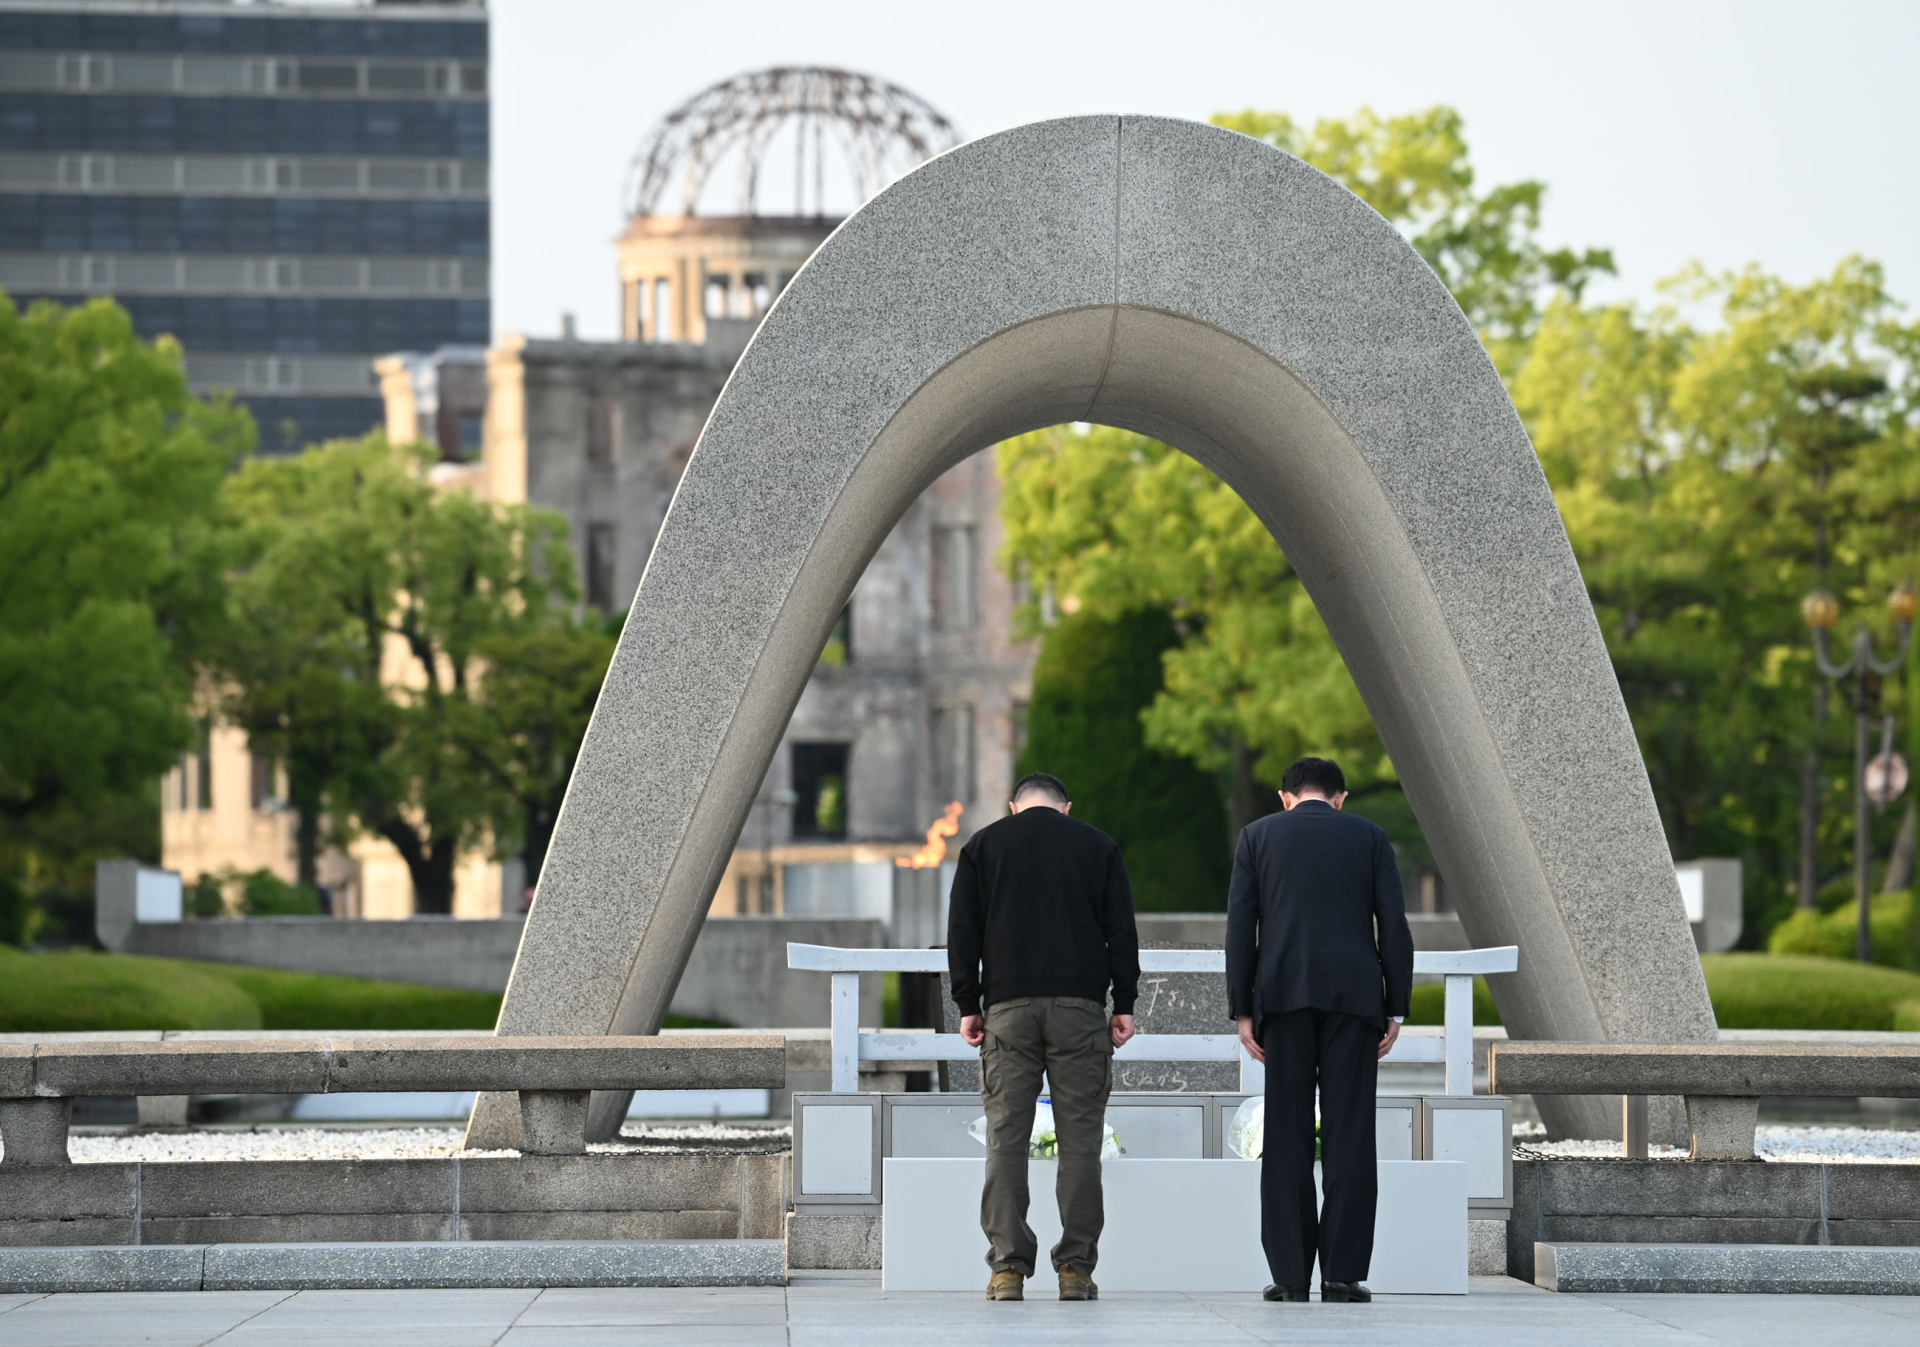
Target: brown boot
1007,1286
1077,1286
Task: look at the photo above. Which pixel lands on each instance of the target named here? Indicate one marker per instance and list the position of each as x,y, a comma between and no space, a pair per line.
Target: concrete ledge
1789,1269
848,1242
1486,1248
154,1267
383,1266
1742,1070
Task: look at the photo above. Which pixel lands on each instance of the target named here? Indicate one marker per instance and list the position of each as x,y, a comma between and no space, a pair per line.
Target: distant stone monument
1204,288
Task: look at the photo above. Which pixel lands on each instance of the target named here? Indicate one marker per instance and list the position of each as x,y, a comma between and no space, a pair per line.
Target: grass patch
80,990
1762,991
1773,991
318,1001
1429,1004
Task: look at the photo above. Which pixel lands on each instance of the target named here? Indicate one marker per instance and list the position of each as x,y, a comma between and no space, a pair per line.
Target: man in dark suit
1319,974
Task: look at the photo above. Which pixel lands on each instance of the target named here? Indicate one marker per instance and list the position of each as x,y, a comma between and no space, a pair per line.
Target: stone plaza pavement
850,1308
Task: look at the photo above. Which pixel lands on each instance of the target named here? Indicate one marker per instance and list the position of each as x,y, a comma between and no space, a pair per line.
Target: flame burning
935,850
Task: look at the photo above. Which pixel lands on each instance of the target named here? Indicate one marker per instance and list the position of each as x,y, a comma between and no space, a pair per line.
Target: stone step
382,1266
1789,1269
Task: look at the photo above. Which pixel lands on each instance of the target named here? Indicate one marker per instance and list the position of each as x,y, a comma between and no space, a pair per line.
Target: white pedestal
1172,1225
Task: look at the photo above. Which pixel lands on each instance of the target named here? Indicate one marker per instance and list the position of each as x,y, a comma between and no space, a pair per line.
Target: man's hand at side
973,1028
1249,1042
1387,1039
1122,1026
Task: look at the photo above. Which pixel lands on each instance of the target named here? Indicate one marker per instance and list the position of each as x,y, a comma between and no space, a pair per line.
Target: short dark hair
1315,774
1039,783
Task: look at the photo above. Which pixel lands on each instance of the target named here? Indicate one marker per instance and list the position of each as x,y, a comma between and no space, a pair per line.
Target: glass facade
289,192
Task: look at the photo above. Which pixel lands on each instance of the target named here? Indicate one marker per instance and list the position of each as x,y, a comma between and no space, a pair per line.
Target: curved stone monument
1203,288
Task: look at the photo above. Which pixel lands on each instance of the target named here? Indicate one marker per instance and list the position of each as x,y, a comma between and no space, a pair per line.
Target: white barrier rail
851,1046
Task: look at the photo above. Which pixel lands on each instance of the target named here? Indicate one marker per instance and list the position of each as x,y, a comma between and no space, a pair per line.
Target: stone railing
553,1076
1722,1083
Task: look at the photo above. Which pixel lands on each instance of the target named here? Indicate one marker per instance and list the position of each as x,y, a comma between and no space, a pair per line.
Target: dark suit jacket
1315,918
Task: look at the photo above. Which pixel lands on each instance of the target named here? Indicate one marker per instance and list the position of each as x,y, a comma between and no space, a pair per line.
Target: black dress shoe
1344,1293
1287,1293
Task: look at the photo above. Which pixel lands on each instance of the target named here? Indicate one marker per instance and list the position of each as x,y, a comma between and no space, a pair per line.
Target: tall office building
289,190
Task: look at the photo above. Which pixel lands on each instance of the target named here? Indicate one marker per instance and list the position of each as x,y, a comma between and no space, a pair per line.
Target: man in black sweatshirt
1039,926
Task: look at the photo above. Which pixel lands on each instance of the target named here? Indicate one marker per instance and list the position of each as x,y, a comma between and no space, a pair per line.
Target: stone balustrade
553,1077
1722,1083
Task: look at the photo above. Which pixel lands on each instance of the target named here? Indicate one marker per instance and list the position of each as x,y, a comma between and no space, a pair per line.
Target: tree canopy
409,652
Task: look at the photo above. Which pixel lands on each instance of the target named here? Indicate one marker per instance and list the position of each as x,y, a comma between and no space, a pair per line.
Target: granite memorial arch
1201,287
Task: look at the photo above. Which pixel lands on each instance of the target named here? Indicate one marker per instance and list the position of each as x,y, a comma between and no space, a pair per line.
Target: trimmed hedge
1769,991
1762,991
1832,934
80,990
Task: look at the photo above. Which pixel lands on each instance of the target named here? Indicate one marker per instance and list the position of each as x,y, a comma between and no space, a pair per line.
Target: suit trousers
1067,1038
1335,1055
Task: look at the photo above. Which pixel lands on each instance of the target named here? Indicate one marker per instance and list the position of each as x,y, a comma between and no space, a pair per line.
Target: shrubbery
1762,991
1832,935
81,990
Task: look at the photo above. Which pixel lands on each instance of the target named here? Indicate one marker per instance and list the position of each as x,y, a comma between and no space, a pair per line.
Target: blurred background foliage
419,665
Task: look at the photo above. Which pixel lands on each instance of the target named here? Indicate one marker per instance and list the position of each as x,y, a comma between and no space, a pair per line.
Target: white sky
1777,133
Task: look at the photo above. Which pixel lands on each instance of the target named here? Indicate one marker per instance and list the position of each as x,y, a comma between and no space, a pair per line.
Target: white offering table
1172,1225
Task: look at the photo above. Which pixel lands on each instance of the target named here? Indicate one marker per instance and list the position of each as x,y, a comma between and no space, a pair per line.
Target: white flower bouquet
1045,1143
1247,1130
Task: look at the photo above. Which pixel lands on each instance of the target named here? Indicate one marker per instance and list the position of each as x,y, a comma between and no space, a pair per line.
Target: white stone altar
1172,1225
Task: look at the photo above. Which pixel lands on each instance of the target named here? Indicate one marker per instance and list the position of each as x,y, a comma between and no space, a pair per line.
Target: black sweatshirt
1041,907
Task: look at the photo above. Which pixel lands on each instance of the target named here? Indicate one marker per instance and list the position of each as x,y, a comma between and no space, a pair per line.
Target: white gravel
1772,1141
390,1143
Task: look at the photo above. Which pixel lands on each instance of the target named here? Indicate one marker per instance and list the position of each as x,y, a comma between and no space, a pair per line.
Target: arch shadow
1203,288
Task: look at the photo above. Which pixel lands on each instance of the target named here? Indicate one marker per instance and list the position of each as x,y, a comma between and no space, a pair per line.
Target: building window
600,559
718,288
261,784
820,790
839,647
603,432
956,578
663,310
953,757
759,294
203,767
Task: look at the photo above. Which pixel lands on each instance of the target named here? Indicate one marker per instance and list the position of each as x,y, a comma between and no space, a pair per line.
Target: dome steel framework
879,129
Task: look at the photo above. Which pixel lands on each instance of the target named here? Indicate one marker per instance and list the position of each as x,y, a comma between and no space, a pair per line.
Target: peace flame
936,848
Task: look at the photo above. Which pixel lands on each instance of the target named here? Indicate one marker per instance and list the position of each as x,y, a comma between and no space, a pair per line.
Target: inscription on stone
1169,1003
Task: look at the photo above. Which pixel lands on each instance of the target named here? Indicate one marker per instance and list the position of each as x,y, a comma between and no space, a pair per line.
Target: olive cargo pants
1067,1038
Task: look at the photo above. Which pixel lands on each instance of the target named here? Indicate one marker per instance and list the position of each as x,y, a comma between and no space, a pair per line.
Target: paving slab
1722,1268
849,1307
150,1318
644,1307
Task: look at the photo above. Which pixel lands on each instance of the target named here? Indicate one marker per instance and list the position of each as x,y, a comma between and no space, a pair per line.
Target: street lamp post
1821,611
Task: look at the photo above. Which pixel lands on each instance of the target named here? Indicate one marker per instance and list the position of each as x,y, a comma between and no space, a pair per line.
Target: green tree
541,686
1715,457
1091,682
365,606
109,551
110,582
